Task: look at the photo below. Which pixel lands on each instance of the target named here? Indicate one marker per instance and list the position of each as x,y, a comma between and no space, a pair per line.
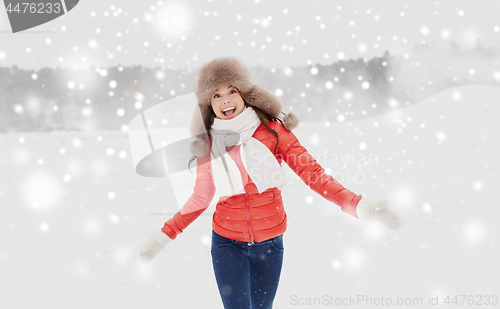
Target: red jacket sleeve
203,193
312,174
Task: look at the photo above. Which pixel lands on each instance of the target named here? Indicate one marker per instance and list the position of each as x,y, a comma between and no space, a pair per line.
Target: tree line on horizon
108,98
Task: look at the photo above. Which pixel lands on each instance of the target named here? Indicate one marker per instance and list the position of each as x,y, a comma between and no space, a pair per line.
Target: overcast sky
185,34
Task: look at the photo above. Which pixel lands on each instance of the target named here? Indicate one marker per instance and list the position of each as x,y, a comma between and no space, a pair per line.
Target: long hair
208,121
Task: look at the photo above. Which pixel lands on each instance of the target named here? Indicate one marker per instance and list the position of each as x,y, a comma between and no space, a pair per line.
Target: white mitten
376,210
153,245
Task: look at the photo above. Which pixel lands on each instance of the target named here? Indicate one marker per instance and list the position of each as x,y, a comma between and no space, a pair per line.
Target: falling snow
87,191
74,212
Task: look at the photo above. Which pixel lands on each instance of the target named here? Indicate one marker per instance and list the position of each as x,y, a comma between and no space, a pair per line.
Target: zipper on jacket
247,204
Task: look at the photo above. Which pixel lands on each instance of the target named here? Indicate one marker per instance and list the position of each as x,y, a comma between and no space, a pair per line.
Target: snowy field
74,214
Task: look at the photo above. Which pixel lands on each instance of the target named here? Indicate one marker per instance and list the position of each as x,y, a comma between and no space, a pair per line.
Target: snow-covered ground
73,215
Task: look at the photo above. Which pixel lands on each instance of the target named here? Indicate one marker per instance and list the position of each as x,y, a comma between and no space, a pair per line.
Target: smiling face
227,102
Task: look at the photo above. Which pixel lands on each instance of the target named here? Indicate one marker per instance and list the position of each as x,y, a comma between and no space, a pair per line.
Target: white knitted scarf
259,162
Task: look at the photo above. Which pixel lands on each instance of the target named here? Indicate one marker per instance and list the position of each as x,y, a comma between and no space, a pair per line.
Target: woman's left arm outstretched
311,172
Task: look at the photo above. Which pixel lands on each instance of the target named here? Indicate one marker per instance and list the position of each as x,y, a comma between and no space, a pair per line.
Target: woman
239,157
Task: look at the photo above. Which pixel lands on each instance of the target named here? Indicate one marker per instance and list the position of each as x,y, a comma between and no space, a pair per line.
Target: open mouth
229,111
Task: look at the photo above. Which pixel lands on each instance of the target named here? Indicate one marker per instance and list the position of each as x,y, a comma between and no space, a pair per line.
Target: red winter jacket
254,216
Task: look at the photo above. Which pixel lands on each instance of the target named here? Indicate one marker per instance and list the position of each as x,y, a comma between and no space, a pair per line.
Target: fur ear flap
290,121
199,148
263,99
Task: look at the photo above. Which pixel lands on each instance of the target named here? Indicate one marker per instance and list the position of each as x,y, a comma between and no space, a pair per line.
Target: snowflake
473,232
44,226
111,195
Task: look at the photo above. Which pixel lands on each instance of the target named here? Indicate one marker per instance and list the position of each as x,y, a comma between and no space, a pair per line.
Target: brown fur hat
229,70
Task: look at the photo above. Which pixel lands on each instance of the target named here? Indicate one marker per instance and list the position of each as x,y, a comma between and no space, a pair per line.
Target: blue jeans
247,275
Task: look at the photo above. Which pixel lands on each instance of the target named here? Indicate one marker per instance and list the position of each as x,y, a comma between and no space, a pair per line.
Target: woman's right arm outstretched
203,193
